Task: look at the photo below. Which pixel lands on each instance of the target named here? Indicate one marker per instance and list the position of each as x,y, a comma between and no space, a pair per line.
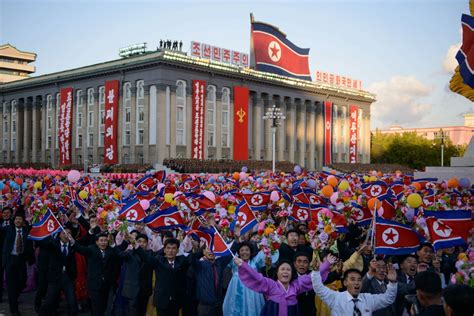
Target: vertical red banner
65,126
354,111
241,123
327,146
111,122
197,147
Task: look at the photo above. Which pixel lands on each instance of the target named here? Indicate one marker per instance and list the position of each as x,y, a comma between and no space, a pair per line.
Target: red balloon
19,181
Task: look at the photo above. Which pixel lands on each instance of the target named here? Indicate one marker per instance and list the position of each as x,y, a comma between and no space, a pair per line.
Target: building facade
14,64
155,113
459,135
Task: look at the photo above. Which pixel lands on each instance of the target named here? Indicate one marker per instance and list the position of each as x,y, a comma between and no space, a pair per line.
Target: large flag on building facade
465,55
273,52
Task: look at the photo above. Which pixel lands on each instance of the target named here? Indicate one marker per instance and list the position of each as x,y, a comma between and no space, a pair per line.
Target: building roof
8,50
181,60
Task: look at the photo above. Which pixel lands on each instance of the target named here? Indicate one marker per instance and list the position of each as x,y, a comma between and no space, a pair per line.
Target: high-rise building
15,64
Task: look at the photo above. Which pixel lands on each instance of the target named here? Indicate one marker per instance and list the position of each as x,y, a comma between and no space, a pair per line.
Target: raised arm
252,279
327,296
378,301
147,257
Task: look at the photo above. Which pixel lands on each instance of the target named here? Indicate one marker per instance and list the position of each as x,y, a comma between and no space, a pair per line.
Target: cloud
450,63
399,100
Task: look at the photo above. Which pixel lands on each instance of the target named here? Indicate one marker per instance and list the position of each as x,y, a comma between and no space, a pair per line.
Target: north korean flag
361,215
374,189
442,236
47,226
147,183
459,221
219,247
397,188
160,176
300,213
198,204
190,185
388,206
274,53
425,183
257,201
132,211
340,221
465,55
244,217
201,234
392,238
167,219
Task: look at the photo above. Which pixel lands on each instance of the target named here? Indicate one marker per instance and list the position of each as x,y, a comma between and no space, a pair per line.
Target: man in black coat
306,303
61,273
170,273
6,221
17,251
101,260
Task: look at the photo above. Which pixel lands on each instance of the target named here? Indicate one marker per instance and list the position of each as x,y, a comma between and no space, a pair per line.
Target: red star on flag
274,50
390,235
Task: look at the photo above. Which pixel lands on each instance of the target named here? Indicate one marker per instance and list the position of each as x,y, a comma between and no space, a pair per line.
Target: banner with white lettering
111,122
327,147
354,111
65,126
197,147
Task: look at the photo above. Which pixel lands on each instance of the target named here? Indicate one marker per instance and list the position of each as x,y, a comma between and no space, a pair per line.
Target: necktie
410,279
172,265
384,287
356,309
103,254
65,250
19,242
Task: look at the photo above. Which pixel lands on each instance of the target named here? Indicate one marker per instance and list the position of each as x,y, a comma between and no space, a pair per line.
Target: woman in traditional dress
239,299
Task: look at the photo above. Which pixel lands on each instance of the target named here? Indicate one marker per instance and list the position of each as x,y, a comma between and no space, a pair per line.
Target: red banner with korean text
199,94
354,126
65,126
111,122
327,147
241,123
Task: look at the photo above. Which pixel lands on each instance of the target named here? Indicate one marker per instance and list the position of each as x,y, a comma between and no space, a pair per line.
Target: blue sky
397,48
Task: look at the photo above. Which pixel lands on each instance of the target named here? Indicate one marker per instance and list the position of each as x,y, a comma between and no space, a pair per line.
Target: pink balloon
145,204
274,196
334,198
243,176
160,186
73,176
210,195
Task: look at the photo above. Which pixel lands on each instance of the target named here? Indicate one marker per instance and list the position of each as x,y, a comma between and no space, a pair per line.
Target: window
49,102
13,145
5,126
14,106
140,137
90,119
127,115
5,144
101,139
141,114
79,159
90,107
79,119
102,105
211,116
79,98
90,140
127,138
225,116
90,96
13,126
79,141
49,144
180,112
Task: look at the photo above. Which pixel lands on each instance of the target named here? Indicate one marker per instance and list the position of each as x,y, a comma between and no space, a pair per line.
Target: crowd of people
185,165
78,235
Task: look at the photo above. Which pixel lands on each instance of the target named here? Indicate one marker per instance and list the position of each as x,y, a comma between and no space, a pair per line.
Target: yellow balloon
366,178
372,178
414,200
231,209
83,194
169,197
38,185
344,185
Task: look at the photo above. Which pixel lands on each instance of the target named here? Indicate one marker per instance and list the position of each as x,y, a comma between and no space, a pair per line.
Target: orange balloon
416,185
236,176
373,203
327,191
332,181
453,183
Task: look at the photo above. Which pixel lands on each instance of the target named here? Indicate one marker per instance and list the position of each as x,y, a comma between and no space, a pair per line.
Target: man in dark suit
306,303
374,282
406,285
291,247
17,251
170,273
61,273
6,221
101,276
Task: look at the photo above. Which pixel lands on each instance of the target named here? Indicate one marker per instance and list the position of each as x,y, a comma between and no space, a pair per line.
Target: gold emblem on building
241,114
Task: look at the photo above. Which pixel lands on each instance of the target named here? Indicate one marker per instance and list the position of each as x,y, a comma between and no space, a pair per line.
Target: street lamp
275,116
442,136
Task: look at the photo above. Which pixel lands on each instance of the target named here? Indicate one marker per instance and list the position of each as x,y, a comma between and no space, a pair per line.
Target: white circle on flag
257,199
390,236
274,51
302,214
193,204
441,230
359,214
132,215
50,226
375,190
313,199
169,221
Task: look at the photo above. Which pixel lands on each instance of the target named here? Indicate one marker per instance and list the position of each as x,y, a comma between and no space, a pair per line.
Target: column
311,135
291,128
120,125
161,123
280,134
20,119
146,126
257,126
301,133
2,115
44,128
133,126
173,123
267,128
9,120
97,128
319,134
367,138
36,137
27,130
218,124
188,122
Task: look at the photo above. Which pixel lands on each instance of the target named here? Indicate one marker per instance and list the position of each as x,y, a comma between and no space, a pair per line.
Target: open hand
391,273
331,258
238,261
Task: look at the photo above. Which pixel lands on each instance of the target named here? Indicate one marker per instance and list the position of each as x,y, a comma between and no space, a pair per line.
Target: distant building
459,135
14,64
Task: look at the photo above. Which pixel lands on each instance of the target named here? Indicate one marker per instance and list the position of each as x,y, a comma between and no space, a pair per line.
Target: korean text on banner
327,148
241,104
111,122
65,126
354,112
197,148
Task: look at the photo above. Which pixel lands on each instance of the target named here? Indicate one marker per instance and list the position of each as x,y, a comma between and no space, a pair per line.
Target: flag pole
62,227
373,229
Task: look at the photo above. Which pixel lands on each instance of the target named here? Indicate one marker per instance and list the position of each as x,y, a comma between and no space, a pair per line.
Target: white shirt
341,303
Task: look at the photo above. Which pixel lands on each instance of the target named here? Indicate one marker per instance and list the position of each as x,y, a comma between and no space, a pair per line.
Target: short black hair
249,245
425,244
401,259
301,254
135,232
167,234
428,282
293,230
19,214
280,263
140,236
459,297
7,208
349,271
171,241
104,234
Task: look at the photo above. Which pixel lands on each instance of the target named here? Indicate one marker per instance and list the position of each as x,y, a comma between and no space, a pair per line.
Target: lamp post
274,115
442,136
